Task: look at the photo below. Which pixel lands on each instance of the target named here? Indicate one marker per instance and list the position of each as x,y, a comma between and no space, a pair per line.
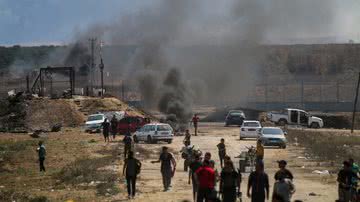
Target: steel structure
38,85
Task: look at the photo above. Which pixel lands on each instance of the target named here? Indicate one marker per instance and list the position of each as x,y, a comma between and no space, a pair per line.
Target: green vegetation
33,56
327,146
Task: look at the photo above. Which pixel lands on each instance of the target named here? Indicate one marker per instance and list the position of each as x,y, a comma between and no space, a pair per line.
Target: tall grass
327,146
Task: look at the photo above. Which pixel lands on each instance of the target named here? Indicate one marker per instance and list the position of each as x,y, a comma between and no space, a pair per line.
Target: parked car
295,117
250,129
234,117
273,136
154,132
93,123
131,124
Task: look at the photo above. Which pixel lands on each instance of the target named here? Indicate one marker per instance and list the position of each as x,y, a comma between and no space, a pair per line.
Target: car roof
295,109
97,114
271,128
158,124
246,121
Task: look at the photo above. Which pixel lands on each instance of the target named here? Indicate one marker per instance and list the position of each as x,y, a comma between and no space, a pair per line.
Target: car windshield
163,128
272,131
95,117
251,124
236,114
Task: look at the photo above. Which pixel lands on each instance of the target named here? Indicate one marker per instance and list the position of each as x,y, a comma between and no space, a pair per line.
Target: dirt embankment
43,113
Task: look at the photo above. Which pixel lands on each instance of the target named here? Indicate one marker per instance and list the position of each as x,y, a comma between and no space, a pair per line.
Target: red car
131,124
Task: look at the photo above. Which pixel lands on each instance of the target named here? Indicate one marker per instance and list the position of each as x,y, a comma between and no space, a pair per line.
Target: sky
42,22
35,22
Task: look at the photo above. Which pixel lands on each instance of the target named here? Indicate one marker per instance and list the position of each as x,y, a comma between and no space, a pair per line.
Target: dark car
235,117
131,124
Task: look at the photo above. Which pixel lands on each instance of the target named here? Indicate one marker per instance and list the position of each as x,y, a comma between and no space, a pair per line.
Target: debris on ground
324,172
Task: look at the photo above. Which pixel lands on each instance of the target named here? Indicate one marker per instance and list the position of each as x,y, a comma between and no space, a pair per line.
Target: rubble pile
13,113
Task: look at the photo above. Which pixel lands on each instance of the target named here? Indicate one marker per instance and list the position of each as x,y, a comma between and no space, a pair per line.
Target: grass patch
89,170
327,146
12,195
9,149
84,171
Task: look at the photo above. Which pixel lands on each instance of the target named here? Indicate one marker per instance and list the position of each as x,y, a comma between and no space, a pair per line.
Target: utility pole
92,65
355,103
101,66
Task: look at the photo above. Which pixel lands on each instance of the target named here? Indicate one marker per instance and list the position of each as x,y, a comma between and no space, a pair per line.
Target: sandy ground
71,144
150,186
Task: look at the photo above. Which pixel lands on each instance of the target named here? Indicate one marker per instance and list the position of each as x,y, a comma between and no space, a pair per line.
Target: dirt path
150,186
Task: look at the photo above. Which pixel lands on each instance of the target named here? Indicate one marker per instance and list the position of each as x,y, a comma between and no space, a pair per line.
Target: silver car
273,136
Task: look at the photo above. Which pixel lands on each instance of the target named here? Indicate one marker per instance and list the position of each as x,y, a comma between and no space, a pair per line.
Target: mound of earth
44,113
94,105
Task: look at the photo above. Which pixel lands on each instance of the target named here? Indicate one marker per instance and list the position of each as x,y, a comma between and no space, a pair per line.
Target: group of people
109,127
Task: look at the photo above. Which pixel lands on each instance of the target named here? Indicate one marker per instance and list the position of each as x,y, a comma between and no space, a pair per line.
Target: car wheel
136,139
169,141
314,125
283,147
282,122
149,140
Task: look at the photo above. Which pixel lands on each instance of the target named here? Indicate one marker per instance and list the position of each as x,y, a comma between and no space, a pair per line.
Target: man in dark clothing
42,153
194,166
127,144
259,184
285,172
132,168
230,181
344,179
205,177
222,151
114,124
106,127
195,121
168,167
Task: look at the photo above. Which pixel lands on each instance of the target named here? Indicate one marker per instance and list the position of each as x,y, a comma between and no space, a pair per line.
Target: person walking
283,189
205,177
194,166
195,121
106,127
222,151
167,168
282,169
344,179
127,144
259,151
187,154
230,182
131,169
114,125
258,183
187,137
42,154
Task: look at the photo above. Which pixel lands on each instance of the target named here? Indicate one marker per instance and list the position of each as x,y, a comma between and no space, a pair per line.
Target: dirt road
150,186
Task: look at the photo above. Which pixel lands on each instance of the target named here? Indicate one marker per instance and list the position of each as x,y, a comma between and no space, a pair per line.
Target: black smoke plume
176,100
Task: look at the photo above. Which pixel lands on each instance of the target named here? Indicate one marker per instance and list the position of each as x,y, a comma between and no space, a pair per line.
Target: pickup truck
295,117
